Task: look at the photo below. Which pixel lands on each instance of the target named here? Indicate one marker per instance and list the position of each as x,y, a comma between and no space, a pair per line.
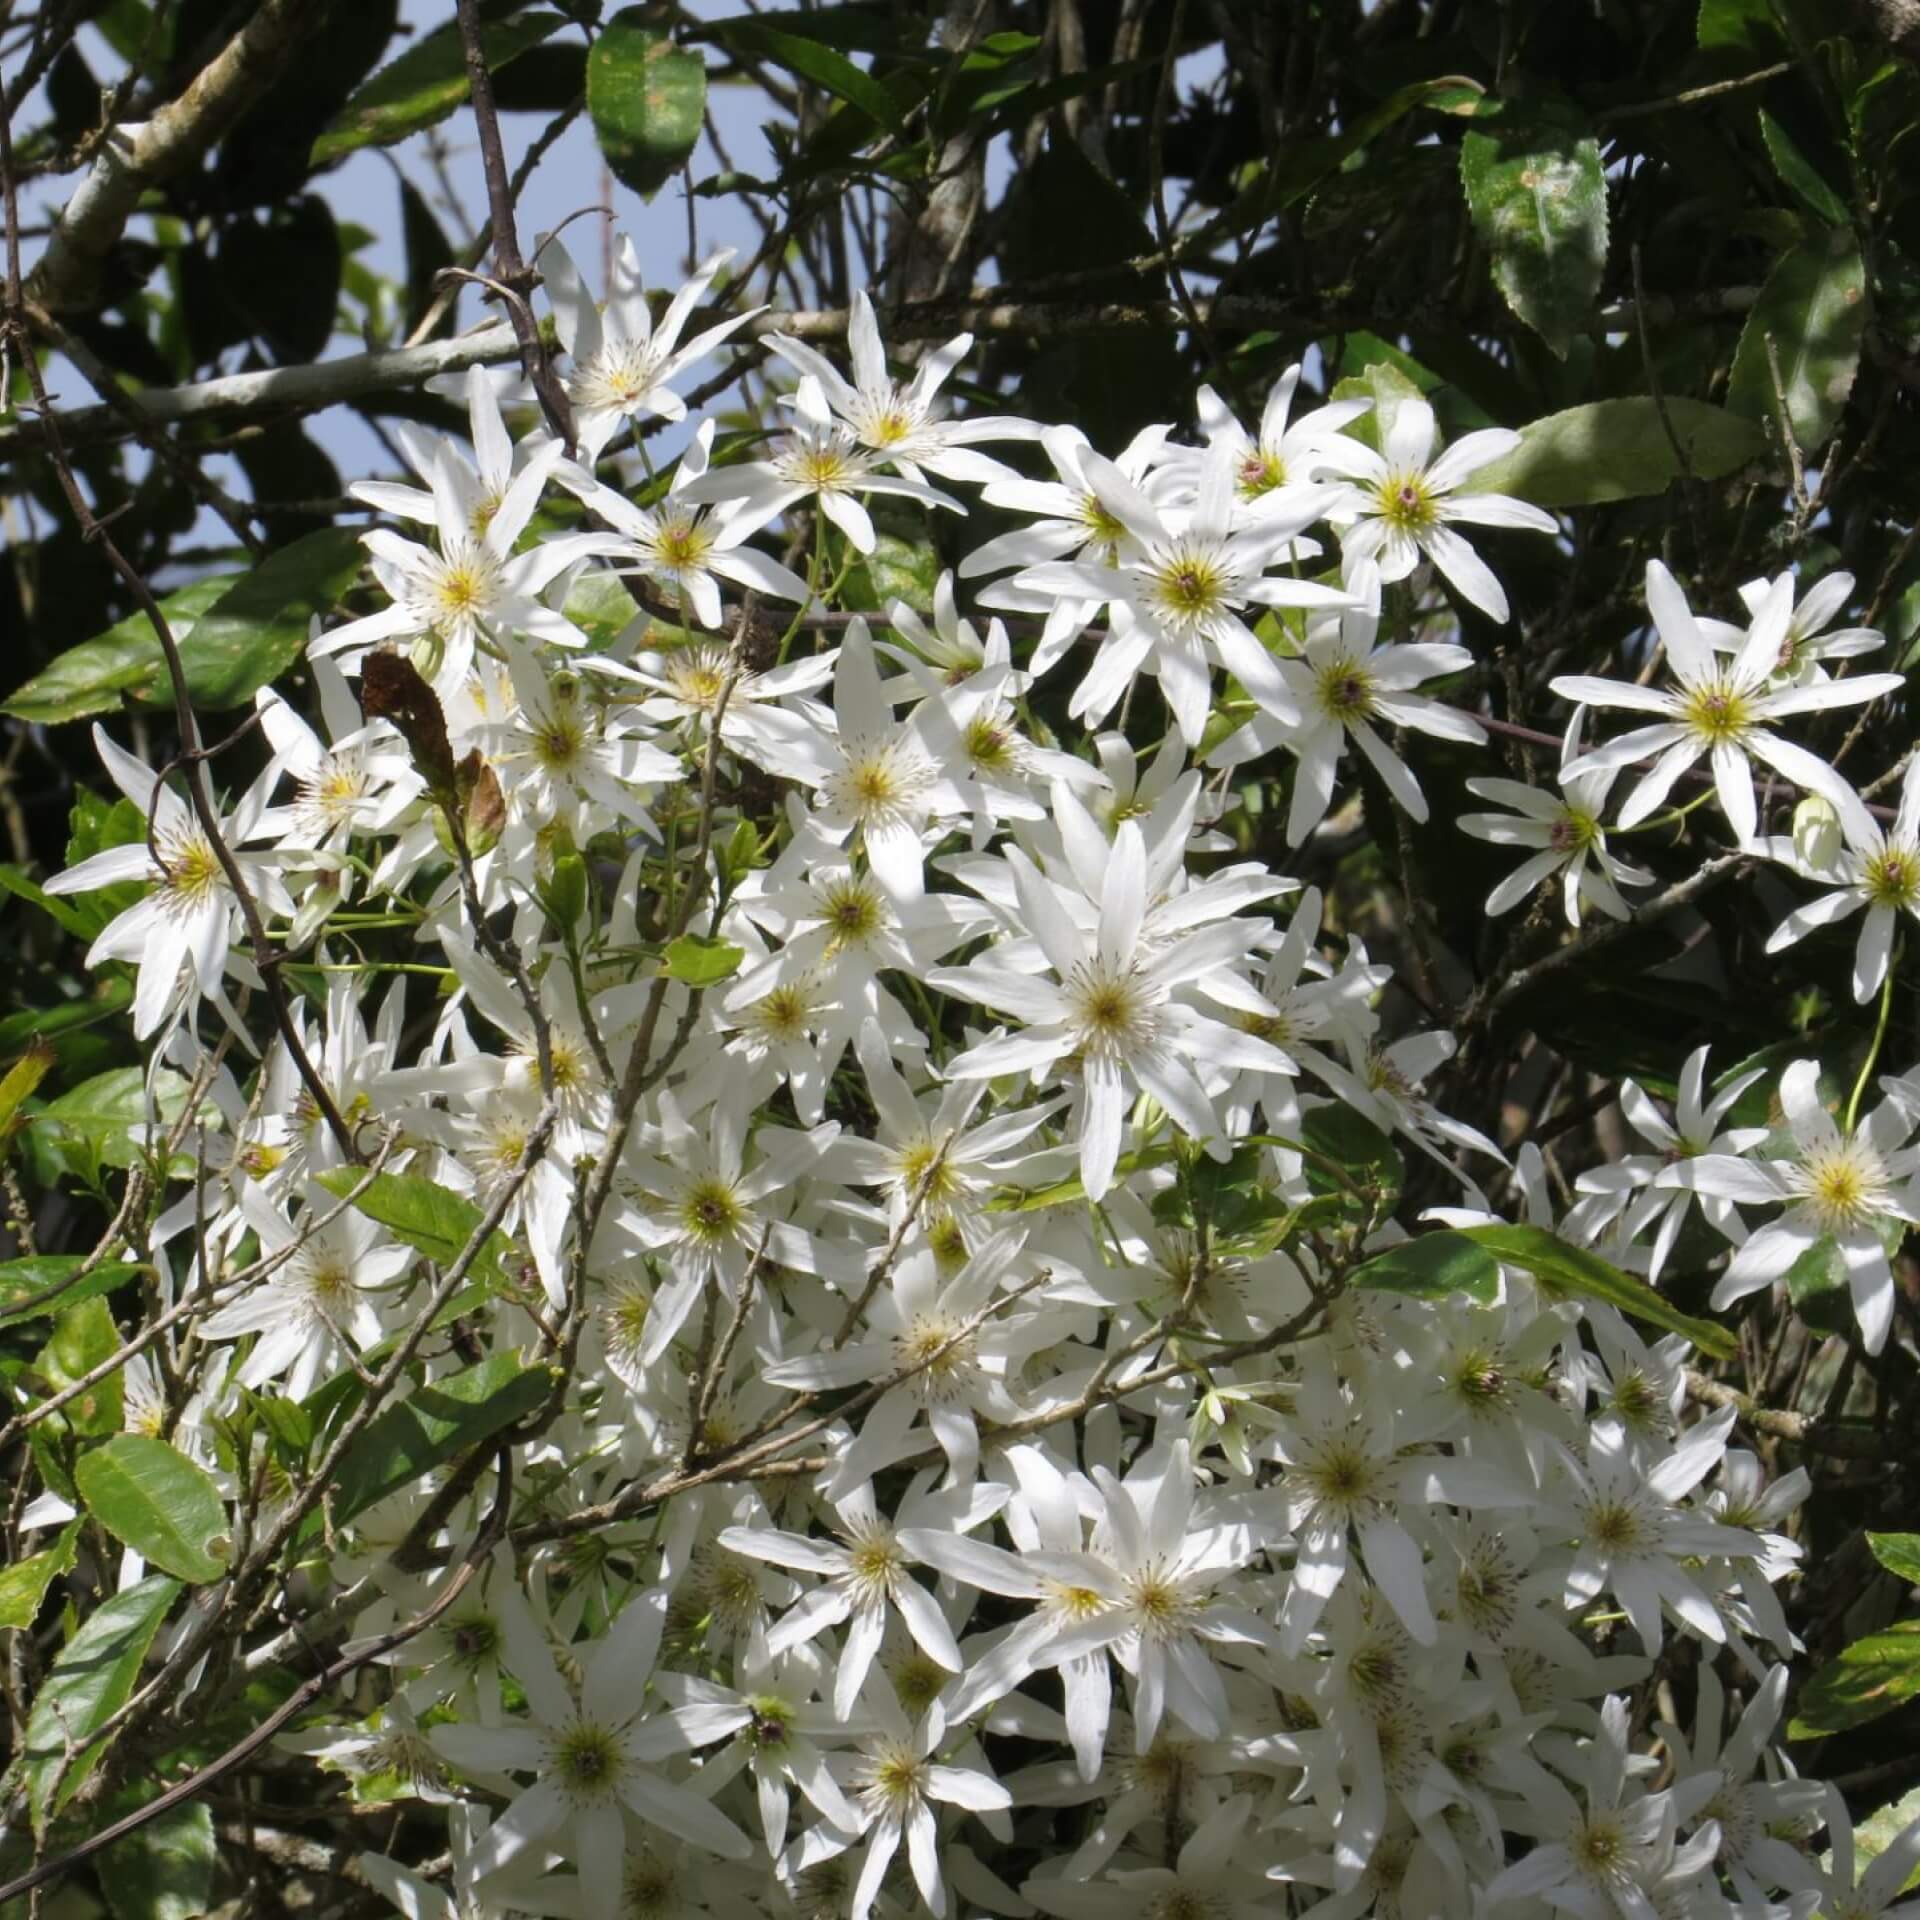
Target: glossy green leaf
1860,1683
1433,1266
1579,1273
1620,450
806,57
56,907
83,1337
647,98
1898,1553
425,84
426,1216
1354,1144
1814,309
1791,165
152,1498
95,676
90,1681
102,1115
245,631
433,1425
896,569
700,961
1538,195
164,1869
25,1280
23,1586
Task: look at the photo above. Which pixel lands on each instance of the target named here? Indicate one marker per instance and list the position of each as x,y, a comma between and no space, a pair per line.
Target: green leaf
1860,1683
810,60
1578,1273
1898,1553
163,1870
1353,1143
1434,1266
99,1116
896,569
93,677
1538,195
90,1682
24,1585
602,608
18,1083
647,99
83,1336
426,1216
56,908
152,1498
246,630
434,1425
23,1281
1620,450
1792,167
1814,307
1875,1834
425,84
700,961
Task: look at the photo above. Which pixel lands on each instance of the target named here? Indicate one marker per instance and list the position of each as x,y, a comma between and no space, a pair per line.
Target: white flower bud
1816,831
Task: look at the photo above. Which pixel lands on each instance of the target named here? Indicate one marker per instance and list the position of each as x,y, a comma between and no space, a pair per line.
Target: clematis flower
1402,503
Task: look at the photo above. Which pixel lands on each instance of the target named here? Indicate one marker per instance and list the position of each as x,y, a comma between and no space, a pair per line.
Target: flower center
1845,1185
943,1353
1162,1606
587,1762
1892,878
1345,691
192,875
1111,1013
617,379
1406,504
893,1782
1573,832
1187,585
853,913
1260,472
710,1213
1718,713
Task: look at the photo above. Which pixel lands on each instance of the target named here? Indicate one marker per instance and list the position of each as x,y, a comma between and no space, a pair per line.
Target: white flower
622,362
1847,1187
185,921
1876,868
1111,1007
1402,503
1807,644
1566,832
903,423
1724,710
1344,685
589,1750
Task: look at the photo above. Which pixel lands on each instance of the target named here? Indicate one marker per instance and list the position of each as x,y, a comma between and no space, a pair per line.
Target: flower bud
1816,831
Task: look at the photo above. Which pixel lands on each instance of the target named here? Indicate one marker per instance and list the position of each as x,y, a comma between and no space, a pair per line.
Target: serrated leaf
1433,1266
433,1425
164,1869
424,1214
1538,195
425,84
647,99
1620,450
23,1586
701,962
101,1115
152,1498
1814,308
1860,1683
1579,1273
92,1679
1898,1553
245,631
23,1281
1793,168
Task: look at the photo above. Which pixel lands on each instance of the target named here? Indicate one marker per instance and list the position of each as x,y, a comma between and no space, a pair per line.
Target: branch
133,158
1802,1429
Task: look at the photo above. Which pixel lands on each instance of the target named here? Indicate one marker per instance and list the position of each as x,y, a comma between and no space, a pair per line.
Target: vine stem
1873,1051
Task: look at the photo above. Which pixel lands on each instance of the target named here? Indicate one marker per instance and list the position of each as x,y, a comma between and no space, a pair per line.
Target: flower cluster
985,1451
